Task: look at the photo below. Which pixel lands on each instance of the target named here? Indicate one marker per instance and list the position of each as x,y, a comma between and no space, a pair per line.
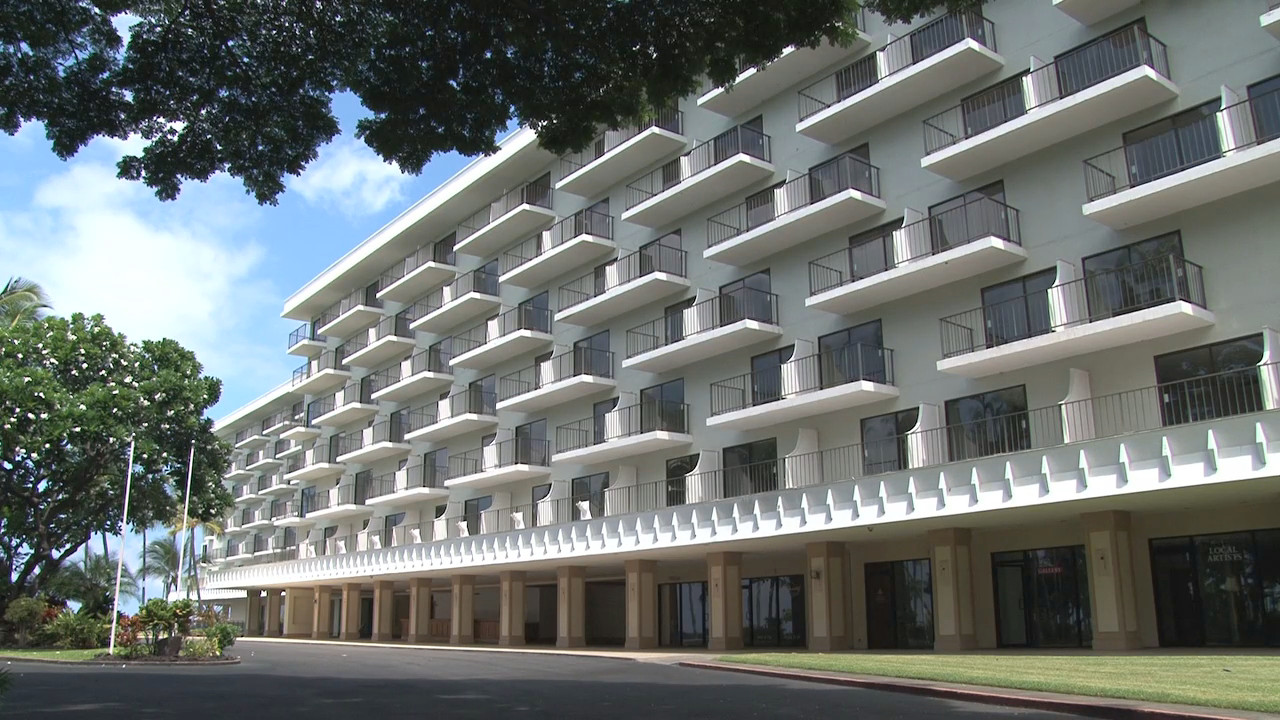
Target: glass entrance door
899,605
773,611
1042,598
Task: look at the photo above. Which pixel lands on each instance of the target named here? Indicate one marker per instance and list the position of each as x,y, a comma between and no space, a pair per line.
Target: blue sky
210,269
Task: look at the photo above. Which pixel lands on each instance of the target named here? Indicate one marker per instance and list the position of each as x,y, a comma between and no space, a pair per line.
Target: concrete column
511,605
350,627
827,597
1111,586
384,610
298,609
642,604
724,585
273,613
462,628
952,567
419,610
321,612
253,613
571,606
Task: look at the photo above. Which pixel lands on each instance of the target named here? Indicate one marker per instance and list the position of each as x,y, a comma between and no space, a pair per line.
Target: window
1042,598
678,470
682,613
853,354
588,494
363,480
750,298
1173,144
439,511
541,492
899,605
535,313
601,425
851,169
531,443
438,356
994,106
750,468
389,522
1018,309
538,361
442,252
662,407
1210,382
538,191
1264,102
482,398
485,278
308,499
435,467
766,375
761,206
871,252
673,319
884,441
988,423
976,214
1143,274
591,356
473,512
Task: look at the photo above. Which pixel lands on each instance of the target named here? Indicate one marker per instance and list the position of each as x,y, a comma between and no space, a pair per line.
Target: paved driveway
317,682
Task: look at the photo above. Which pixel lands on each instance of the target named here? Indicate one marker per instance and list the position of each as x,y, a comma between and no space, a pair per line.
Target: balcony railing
394,325
668,119
537,193
578,361
354,493
435,252
920,44
1107,57
1097,296
411,478
586,222
320,453
363,296
710,314
240,463
242,435
327,360
827,369
977,219
477,281
1236,127
511,321
305,331
467,401
391,430
844,173
500,454
629,267
738,140
624,422
436,361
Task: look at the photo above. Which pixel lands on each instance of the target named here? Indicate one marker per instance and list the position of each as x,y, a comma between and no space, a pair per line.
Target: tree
21,301
72,393
245,86
160,560
208,527
25,614
92,583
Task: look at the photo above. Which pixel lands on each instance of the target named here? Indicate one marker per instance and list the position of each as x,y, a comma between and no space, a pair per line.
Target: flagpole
186,505
124,527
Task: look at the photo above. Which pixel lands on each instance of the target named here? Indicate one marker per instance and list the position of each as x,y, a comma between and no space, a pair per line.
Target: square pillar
419,610
511,605
571,606
384,610
462,628
952,568
273,613
253,613
350,626
298,609
724,585
642,604
321,612
1111,587
827,597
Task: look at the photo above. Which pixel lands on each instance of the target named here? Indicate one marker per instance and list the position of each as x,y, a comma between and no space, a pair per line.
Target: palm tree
192,561
92,582
21,301
160,560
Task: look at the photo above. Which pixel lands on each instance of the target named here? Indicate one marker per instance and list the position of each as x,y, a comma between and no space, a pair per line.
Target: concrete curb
10,660
520,650
1071,704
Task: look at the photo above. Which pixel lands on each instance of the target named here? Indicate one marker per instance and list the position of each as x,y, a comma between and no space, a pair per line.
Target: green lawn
48,654
1242,682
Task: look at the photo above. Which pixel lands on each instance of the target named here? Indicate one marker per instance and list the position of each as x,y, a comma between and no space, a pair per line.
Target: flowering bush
200,649
165,624
75,631
222,635
128,632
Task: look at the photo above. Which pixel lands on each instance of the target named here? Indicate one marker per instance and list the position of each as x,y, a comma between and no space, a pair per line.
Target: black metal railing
844,173
578,361
276,481
500,454
1108,56
435,252
276,419
327,360
413,477
669,119
513,320
242,435
740,140
537,193
364,297
1096,296
477,281
585,222
710,314
463,402
918,45
823,370
947,230
1247,123
391,430
305,331
318,454
353,493
241,462
644,417
629,267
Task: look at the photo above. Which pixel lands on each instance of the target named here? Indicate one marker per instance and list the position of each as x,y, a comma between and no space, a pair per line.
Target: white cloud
352,178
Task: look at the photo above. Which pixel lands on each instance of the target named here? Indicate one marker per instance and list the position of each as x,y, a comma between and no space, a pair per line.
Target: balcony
1111,78
1270,19
1090,12
715,326
249,438
803,387
246,493
465,411
519,331
239,469
569,376
519,213
390,338
354,312
725,164
313,465
417,374
321,374
581,238
954,245
424,270
235,523
237,552
755,85
618,154
286,449
1156,298
380,441
472,294
634,280
276,484
350,404
934,59
622,433
304,341
415,483
838,194
293,516
499,463
336,503
261,519
278,422
263,458
299,432
1217,156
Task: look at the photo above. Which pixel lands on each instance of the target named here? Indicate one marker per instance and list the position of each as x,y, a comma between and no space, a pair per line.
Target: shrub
25,613
222,635
200,649
165,624
129,632
75,631
132,651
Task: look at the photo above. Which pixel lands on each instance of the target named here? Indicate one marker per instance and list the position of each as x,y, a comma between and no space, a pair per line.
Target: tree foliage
72,393
91,582
245,86
21,301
